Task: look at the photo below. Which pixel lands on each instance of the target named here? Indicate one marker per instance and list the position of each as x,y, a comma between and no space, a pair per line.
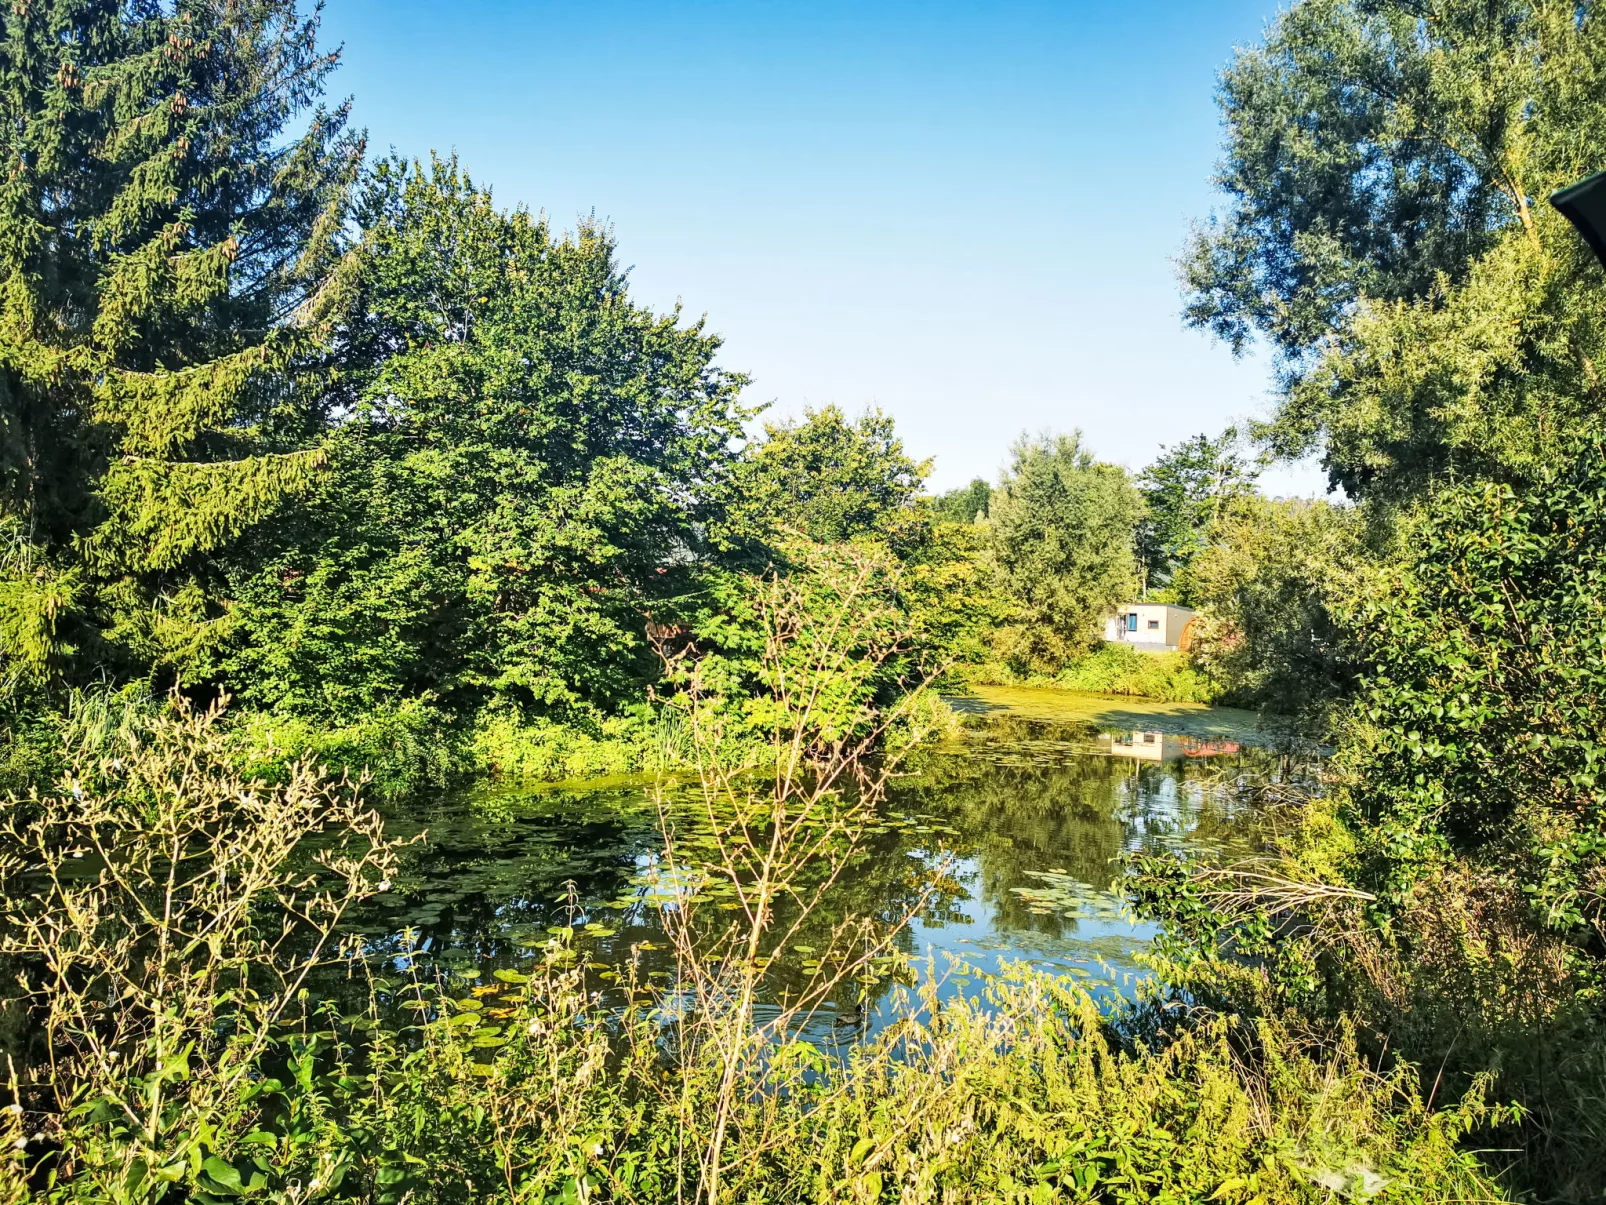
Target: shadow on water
1004,847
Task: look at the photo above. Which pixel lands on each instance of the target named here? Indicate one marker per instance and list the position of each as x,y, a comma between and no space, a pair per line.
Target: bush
1266,584
1019,1094
163,982
399,749
1116,670
511,748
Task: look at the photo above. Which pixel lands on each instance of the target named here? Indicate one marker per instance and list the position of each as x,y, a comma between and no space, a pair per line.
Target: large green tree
1185,493
169,217
1386,232
522,478
1267,583
832,478
1061,527
965,504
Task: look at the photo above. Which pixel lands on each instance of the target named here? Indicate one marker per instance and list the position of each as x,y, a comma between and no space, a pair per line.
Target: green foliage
1185,492
1448,895
163,217
520,481
1061,529
965,504
951,597
1335,191
1383,167
1482,680
1117,669
762,630
400,749
436,497
163,982
228,1080
1024,1100
831,480
1267,584
644,738
1440,330
937,599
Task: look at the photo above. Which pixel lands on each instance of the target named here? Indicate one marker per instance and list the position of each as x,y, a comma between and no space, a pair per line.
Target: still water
1004,846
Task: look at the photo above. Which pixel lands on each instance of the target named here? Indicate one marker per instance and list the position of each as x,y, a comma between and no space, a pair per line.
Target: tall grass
1167,677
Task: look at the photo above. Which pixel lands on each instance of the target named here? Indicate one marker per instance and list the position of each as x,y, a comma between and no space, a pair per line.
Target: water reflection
1163,746
1004,847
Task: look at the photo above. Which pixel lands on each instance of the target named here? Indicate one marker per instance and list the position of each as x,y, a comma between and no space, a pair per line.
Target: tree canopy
524,469
1061,527
1185,492
832,479
1385,232
965,504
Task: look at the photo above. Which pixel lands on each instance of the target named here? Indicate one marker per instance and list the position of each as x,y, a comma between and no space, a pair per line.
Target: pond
1003,846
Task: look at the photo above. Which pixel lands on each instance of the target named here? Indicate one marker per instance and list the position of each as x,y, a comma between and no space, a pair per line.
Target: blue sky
963,213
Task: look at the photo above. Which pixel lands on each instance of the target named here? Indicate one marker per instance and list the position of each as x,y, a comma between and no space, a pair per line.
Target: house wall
1159,628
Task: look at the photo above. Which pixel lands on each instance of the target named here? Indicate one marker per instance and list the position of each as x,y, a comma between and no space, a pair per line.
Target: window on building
1154,625
1132,622
1148,738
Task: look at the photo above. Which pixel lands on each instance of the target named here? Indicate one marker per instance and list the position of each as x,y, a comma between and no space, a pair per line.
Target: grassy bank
415,747
1117,670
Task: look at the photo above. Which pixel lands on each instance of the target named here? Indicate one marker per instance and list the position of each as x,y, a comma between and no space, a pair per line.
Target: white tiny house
1152,627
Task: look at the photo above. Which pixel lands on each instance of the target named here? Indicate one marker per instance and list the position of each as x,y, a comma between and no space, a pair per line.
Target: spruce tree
171,204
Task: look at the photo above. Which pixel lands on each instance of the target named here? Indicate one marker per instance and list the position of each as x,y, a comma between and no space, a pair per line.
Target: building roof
1133,606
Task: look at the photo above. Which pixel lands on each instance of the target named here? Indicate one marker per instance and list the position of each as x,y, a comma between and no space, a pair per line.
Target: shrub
1018,1094
1116,670
399,749
165,935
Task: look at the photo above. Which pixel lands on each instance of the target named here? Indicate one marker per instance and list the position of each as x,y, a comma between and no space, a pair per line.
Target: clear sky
965,214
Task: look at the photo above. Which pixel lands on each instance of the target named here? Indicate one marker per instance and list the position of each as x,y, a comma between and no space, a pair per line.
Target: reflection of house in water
1162,746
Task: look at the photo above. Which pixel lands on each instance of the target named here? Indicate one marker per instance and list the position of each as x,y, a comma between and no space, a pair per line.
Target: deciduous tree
1386,232
1061,526
526,468
1185,492
965,504
834,479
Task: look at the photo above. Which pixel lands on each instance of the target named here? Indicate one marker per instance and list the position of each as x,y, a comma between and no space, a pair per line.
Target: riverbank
409,749
1062,705
1112,669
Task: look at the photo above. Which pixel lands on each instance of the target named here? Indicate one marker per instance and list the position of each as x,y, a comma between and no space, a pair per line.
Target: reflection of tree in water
484,886
1018,819
1033,797
499,863
493,877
